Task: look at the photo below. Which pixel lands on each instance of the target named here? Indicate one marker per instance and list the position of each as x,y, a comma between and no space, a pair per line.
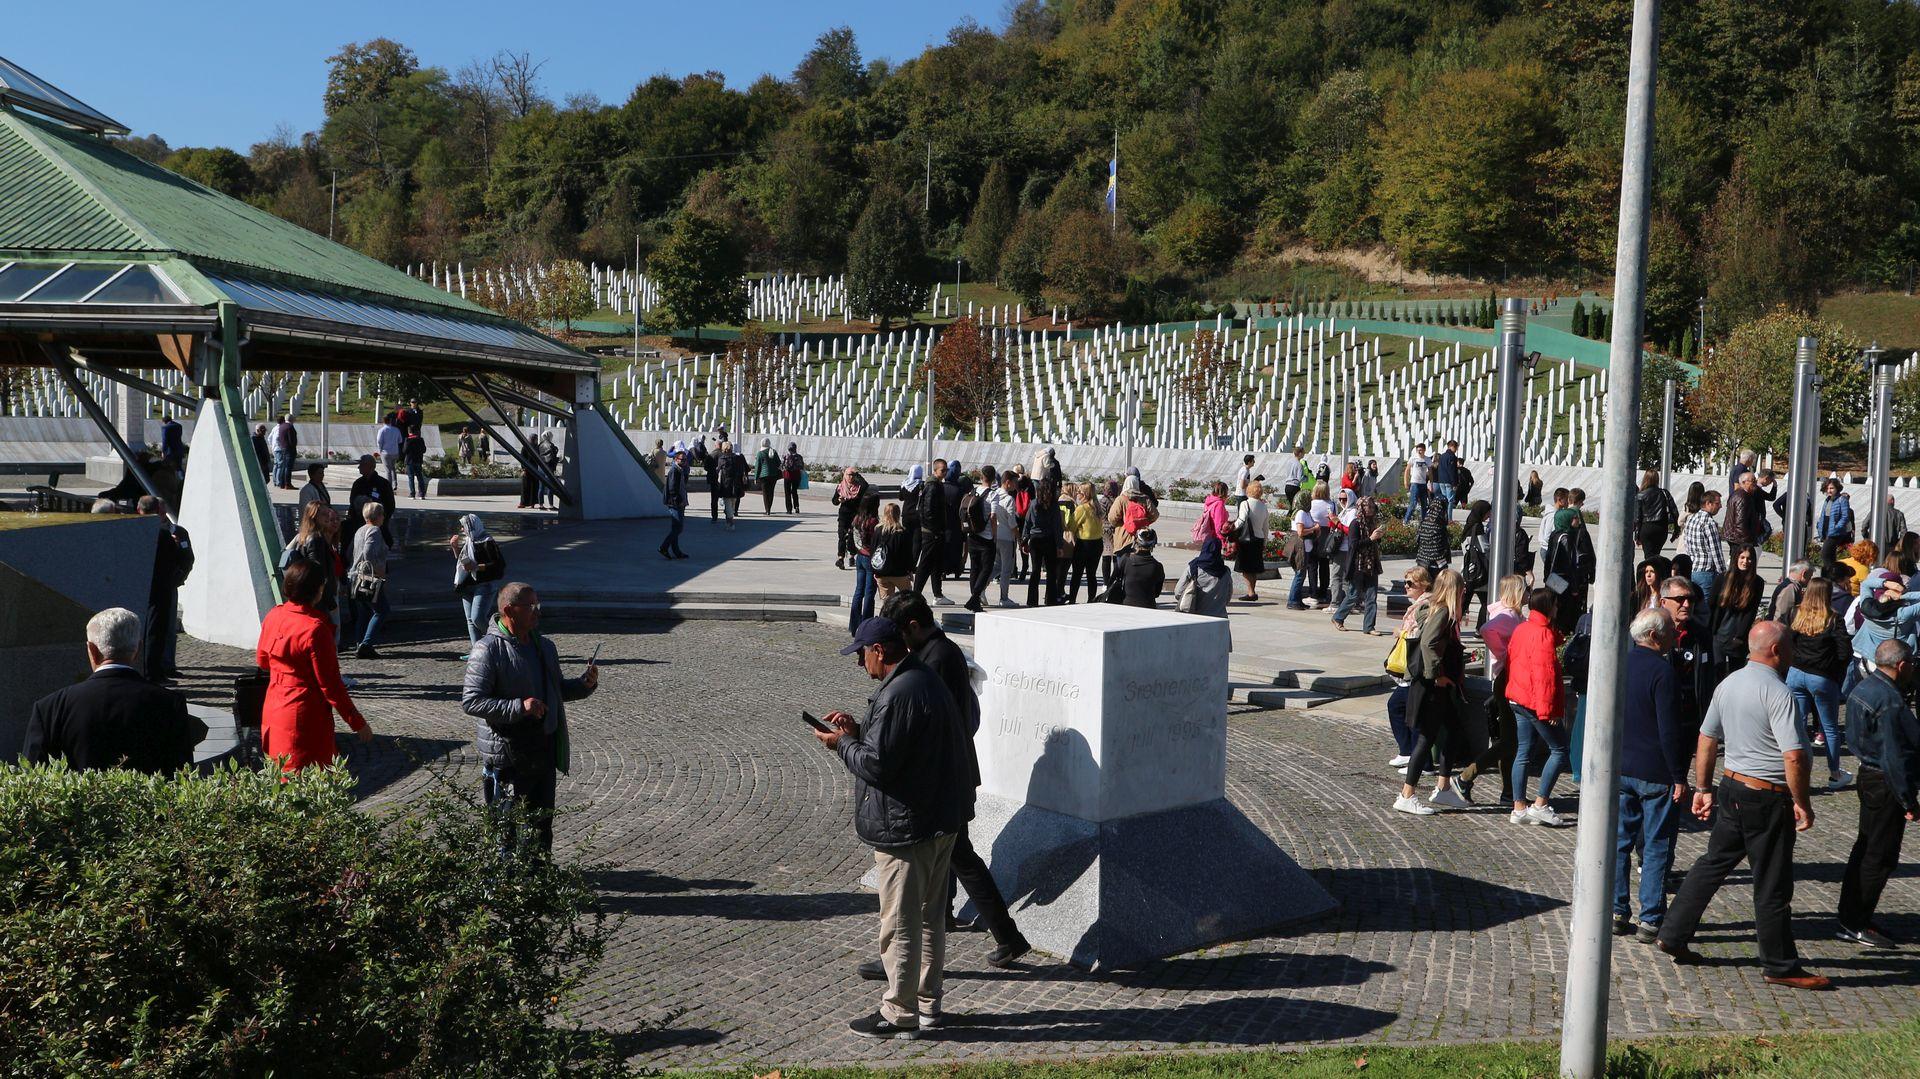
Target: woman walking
1088,530
1431,548
367,578
1250,529
793,472
476,566
303,675
846,497
1213,514
1508,612
1045,529
766,472
1435,663
864,538
891,559
1539,708
1819,650
1362,568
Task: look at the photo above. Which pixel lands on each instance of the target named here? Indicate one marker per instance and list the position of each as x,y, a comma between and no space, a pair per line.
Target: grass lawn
1892,318
1869,1055
14,521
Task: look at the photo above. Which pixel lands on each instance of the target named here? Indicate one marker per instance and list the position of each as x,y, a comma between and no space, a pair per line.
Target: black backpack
1473,563
488,563
973,512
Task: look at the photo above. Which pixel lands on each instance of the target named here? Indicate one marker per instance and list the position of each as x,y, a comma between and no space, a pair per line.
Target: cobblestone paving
733,877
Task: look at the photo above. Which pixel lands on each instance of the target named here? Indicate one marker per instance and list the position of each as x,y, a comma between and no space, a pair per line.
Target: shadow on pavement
1245,1021
1406,900
751,906
651,883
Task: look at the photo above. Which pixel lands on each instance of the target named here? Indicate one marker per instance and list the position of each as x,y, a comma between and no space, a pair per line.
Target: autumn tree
766,369
1210,388
970,371
699,270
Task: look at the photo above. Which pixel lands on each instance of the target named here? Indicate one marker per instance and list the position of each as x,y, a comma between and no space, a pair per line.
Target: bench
50,469
53,500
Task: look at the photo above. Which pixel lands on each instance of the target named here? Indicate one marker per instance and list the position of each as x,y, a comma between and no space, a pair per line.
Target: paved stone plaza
731,872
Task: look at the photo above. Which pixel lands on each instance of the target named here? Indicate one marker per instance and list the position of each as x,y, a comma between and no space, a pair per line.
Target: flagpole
1113,184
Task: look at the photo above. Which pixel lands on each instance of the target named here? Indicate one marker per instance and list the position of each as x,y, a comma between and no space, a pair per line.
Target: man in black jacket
674,493
115,718
172,561
933,533
1691,655
1886,738
932,647
913,793
370,487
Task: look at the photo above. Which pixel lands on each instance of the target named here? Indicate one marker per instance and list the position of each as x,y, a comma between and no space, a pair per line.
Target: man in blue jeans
1653,774
1446,474
1418,466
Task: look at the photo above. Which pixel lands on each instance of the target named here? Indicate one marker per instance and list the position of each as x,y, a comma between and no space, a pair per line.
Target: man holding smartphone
912,796
514,687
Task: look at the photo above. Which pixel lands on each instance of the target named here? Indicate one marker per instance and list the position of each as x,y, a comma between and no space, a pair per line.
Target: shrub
237,925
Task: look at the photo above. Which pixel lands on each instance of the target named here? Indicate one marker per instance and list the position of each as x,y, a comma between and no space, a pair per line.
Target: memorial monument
1102,807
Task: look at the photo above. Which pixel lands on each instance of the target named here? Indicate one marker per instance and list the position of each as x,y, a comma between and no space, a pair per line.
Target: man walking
1689,652
515,689
675,494
1446,474
976,520
172,562
1702,543
913,795
390,440
1746,515
933,533
1762,804
931,646
1886,738
1653,774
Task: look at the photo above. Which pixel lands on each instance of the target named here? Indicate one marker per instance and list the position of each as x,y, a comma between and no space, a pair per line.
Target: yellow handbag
1396,663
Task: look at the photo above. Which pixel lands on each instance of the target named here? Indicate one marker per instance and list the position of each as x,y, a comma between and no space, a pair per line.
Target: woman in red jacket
1539,707
304,687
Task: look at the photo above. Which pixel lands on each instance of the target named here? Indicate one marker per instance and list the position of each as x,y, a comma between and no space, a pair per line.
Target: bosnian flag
1113,183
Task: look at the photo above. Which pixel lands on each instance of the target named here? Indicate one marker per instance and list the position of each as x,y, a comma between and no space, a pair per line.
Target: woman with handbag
304,687
1435,664
1250,529
476,566
367,579
1206,586
1361,566
793,475
846,497
1417,584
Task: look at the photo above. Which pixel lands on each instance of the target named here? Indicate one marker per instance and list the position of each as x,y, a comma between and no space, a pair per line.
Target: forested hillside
1476,137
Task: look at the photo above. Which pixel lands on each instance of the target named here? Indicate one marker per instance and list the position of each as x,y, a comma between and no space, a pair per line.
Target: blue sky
202,73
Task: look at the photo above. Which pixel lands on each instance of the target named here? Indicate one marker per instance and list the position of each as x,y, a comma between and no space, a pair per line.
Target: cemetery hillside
1267,151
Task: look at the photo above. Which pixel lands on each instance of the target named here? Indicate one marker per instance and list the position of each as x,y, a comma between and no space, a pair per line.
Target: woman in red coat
304,688
1539,707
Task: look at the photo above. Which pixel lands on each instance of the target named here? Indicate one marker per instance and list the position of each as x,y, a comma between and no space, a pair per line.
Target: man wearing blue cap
912,796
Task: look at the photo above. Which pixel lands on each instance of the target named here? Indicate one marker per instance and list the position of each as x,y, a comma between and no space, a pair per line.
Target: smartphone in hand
817,723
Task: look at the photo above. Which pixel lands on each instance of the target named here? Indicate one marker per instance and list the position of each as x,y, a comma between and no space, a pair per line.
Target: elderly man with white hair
114,718
1654,751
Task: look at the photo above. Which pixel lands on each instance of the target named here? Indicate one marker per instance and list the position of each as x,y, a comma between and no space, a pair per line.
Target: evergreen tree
884,257
994,212
1579,319
1686,344
1023,262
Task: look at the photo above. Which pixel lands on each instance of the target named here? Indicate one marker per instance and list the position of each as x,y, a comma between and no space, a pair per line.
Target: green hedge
237,925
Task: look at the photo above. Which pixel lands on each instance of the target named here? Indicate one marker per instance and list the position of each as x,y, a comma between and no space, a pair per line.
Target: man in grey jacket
913,793
514,687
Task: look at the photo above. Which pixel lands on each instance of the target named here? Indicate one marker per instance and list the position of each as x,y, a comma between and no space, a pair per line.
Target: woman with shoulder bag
1417,583
793,475
367,579
1435,662
846,500
475,555
1250,529
1206,585
1361,567
892,553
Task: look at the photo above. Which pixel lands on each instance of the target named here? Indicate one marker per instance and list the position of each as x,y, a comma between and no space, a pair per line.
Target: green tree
217,167
885,258
366,71
1455,180
993,218
1690,438
698,269
566,293
1199,236
1085,262
1023,262
832,69
1746,386
1579,319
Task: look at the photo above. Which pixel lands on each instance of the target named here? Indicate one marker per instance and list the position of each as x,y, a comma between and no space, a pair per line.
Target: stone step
1277,699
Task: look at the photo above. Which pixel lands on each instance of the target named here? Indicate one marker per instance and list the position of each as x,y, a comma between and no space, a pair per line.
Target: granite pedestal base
1125,892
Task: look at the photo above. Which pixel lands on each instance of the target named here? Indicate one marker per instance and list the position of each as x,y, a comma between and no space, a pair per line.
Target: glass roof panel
72,285
138,285
285,299
16,279
23,88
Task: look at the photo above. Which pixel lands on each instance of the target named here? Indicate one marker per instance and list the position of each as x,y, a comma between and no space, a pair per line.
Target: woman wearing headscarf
1431,548
766,472
1563,560
1207,585
847,497
793,470
471,548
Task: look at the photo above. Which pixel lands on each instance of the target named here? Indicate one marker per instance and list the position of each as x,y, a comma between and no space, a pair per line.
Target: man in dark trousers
173,446
371,486
1654,745
515,688
1746,515
674,491
1886,737
933,533
931,646
1761,801
913,794
710,461
115,718
976,519
1446,473
172,561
